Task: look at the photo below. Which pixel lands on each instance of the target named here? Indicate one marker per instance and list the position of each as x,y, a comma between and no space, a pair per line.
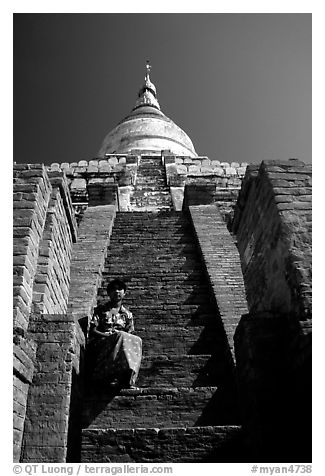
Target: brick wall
273,228
273,342
31,197
23,364
32,191
44,229
52,280
46,433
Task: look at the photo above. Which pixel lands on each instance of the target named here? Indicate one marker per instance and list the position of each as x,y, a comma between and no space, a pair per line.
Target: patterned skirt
116,356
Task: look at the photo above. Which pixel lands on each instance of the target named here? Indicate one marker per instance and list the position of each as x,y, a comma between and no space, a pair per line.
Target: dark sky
238,84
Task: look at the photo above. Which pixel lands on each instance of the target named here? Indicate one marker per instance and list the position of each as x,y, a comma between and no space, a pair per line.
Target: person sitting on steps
117,351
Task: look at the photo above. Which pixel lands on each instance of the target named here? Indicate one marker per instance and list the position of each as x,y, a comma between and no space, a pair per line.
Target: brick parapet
222,263
85,176
51,286
32,191
181,170
59,180
273,227
88,259
59,343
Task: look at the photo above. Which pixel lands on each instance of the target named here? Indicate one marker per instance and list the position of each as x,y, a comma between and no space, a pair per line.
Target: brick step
170,240
142,288
158,317
177,217
152,181
151,168
173,226
150,201
150,198
193,279
178,278
163,275
152,188
166,339
170,246
184,263
167,313
160,254
145,297
156,407
182,370
176,252
161,317
151,207
133,256
201,444
151,163
171,216
149,172
158,269
170,318
161,307
147,193
171,229
158,231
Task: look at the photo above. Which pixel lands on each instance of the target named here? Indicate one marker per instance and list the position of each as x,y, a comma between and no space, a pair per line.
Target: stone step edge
172,357
155,430
144,391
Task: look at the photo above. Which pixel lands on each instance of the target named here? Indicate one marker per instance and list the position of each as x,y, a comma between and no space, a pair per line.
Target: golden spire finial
148,69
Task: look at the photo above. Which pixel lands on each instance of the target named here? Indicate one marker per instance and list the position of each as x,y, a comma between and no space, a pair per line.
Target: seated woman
117,352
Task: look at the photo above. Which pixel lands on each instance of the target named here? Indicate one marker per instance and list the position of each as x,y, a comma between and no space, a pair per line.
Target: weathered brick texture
59,340
154,445
222,263
273,228
32,191
52,280
23,366
44,228
273,343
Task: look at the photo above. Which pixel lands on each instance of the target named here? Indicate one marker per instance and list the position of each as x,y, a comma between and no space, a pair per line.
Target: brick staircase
151,192
185,409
